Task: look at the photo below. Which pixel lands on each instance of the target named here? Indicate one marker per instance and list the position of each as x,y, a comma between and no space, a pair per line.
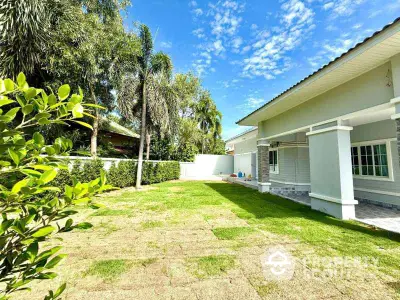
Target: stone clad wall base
338,210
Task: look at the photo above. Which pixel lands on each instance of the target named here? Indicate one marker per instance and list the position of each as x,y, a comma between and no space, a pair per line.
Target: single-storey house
336,133
124,140
244,149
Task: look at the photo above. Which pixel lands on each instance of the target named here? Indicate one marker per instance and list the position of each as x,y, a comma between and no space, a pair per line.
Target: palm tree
217,128
206,112
27,28
146,93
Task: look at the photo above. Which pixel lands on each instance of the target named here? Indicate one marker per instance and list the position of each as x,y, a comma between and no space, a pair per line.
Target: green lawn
204,240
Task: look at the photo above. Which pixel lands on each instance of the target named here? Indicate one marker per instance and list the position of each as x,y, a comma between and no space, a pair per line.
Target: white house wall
243,153
294,166
249,145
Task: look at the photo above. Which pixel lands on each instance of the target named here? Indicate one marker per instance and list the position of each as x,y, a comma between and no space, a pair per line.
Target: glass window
370,160
355,160
273,161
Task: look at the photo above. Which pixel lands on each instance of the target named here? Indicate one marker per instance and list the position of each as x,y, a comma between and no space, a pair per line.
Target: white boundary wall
204,164
207,165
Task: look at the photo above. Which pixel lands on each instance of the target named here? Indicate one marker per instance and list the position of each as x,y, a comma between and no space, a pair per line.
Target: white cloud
338,47
254,102
340,8
198,12
225,19
331,28
270,57
193,3
251,103
236,43
246,49
330,49
357,26
199,33
253,26
221,35
166,45
218,48
328,5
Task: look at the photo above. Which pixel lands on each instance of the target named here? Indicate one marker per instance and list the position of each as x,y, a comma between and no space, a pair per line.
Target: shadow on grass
276,211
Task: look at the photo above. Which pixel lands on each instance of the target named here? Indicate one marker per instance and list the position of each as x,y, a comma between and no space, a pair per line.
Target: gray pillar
398,136
263,166
332,188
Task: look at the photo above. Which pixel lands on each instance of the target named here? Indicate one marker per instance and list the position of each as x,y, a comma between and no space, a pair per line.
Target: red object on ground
233,175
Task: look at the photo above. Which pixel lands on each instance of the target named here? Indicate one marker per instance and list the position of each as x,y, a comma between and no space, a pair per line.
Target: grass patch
151,224
112,212
212,265
266,289
232,233
109,227
110,269
329,237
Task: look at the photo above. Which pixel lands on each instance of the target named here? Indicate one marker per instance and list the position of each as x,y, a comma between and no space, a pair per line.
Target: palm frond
161,63
146,41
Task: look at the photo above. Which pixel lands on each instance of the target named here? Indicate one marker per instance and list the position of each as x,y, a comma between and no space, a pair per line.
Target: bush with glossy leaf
30,214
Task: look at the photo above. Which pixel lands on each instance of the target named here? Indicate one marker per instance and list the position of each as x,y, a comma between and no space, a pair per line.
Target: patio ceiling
371,53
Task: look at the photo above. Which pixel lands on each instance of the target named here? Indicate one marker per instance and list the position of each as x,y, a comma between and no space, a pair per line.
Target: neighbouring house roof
114,127
251,130
363,57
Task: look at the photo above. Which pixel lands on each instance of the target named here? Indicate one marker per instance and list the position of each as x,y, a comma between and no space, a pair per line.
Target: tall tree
147,90
205,114
93,54
55,40
27,29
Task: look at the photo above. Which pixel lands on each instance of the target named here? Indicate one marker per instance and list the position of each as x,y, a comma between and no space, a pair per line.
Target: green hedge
124,174
160,171
121,175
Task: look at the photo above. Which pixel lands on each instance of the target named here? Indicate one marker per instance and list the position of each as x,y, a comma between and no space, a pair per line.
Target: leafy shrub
123,175
154,172
30,215
87,170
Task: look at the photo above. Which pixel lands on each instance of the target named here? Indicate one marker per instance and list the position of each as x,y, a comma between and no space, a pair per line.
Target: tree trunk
93,138
148,138
142,138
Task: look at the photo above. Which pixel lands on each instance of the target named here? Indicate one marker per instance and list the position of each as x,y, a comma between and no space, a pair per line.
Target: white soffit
368,55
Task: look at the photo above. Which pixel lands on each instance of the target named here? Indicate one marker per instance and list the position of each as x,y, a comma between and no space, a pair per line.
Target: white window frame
389,159
277,161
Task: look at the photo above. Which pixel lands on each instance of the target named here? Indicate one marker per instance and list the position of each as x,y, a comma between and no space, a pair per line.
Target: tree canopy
84,42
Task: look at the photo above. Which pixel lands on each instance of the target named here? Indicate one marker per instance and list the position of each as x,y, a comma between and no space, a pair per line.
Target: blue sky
247,52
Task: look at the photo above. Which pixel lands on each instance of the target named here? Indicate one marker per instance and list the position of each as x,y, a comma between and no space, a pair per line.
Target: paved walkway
381,217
